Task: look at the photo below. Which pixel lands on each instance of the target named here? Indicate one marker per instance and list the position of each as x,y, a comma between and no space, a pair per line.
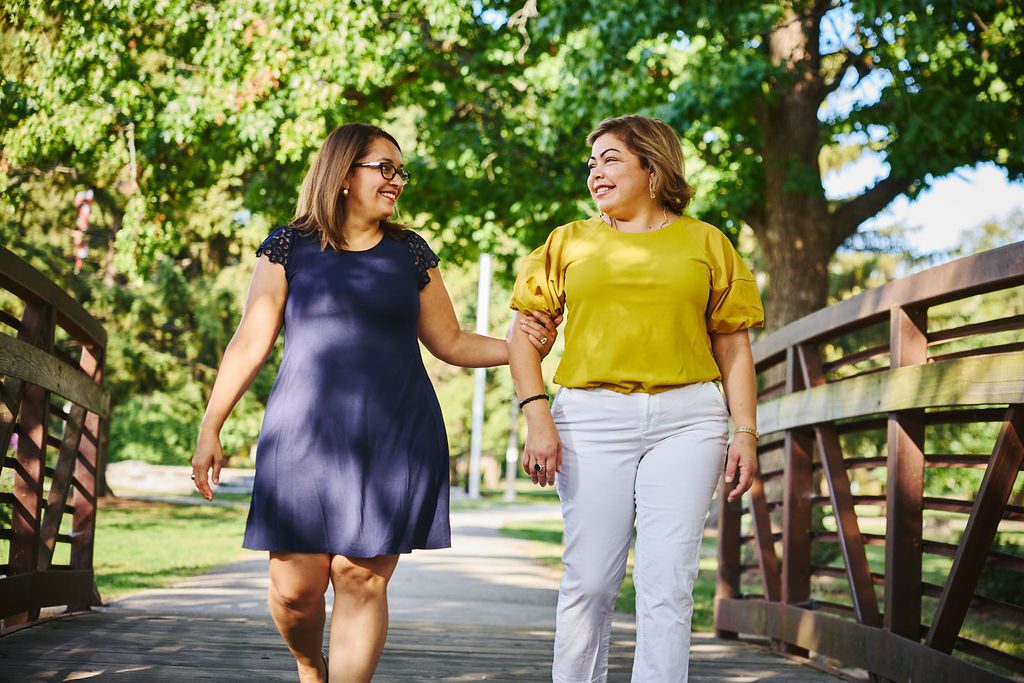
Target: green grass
142,545
151,545
547,537
526,493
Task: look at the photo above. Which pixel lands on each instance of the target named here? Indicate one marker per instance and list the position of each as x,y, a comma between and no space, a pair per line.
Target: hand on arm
243,357
736,362
543,446
440,332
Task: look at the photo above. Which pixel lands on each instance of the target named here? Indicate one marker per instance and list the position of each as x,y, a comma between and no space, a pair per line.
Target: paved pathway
480,611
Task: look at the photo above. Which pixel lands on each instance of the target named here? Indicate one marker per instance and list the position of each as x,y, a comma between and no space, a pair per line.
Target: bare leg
359,622
298,582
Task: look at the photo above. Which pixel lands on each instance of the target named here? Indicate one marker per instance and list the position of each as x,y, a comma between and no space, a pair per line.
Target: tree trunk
796,259
797,233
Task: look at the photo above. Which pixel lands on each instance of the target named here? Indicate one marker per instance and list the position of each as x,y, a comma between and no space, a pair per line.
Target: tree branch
859,61
849,214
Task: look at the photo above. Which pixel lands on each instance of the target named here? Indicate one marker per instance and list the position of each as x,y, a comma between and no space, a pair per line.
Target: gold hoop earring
650,187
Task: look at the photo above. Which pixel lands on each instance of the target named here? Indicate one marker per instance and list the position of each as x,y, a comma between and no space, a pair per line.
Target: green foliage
193,124
1000,583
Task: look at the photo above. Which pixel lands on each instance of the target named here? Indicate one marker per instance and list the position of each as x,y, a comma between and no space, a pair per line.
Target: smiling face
372,197
618,182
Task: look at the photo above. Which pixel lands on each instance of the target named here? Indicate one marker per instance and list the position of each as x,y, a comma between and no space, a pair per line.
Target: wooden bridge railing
52,398
874,363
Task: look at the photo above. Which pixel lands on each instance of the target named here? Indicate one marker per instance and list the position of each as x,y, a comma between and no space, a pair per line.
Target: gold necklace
650,228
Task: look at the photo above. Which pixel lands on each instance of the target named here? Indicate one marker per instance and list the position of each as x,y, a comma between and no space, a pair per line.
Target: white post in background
512,451
483,305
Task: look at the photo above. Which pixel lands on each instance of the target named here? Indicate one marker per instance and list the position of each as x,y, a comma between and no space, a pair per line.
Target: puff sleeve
540,282
734,302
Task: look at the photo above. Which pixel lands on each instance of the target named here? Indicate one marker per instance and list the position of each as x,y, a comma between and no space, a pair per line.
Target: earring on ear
344,192
650,186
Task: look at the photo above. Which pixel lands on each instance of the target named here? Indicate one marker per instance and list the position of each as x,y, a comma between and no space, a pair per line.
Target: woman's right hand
543,447
208,456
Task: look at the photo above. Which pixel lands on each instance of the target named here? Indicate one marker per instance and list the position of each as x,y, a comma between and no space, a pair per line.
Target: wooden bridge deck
123,645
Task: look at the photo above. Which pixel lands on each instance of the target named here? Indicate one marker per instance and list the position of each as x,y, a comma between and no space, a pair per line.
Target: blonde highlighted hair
659,150
322,204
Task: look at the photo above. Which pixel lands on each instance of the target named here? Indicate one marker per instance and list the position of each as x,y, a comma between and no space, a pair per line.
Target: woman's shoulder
423,256
409,236
574,232
582,227
708,236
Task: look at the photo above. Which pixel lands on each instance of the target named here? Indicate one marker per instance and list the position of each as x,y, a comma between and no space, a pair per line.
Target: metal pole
483,300
512,451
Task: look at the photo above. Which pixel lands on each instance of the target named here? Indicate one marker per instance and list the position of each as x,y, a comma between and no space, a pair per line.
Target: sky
963,200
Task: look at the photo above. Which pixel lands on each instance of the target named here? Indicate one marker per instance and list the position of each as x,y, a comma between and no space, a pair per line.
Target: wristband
749,430
532,398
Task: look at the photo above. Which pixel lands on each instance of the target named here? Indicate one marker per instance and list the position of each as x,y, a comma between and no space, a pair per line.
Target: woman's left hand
542,330
743,457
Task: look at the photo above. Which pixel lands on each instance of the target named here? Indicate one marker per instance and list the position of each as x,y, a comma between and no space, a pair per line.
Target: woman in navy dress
352,460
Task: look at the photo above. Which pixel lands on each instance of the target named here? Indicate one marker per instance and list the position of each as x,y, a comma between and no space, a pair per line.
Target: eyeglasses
387,171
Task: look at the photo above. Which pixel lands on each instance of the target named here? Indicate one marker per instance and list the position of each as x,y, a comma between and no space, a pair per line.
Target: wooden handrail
33,369
806,412
988,271
18,277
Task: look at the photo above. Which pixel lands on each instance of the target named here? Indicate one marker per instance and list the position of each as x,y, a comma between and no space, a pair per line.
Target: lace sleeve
278,245
422,254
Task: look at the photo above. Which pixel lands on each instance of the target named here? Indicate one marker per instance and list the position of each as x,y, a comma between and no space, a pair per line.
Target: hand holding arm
736,362
440,332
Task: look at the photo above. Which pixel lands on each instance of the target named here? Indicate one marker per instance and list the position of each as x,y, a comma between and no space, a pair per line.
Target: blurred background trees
192,122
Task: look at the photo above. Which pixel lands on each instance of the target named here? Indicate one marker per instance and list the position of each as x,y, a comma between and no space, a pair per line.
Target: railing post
796,516
37,328
908,345
796,504
91,454
728,581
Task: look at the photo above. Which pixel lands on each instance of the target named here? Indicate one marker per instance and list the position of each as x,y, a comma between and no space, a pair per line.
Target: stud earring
344,191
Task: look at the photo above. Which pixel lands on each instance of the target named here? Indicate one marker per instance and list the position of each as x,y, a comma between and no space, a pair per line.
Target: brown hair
321,206
659,150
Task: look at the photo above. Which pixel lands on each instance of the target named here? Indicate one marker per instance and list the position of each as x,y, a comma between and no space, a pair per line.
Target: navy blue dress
352,457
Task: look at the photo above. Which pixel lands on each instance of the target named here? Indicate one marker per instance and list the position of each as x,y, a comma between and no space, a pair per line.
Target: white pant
655,459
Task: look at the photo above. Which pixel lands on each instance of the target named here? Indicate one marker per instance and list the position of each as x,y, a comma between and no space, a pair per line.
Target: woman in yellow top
658,305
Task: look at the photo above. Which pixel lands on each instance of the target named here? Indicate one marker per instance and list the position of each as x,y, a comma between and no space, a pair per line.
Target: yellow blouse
639,307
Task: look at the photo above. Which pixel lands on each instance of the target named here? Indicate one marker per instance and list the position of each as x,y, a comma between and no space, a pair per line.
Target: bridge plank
998,378
21,592
136,646
897,659
27,363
